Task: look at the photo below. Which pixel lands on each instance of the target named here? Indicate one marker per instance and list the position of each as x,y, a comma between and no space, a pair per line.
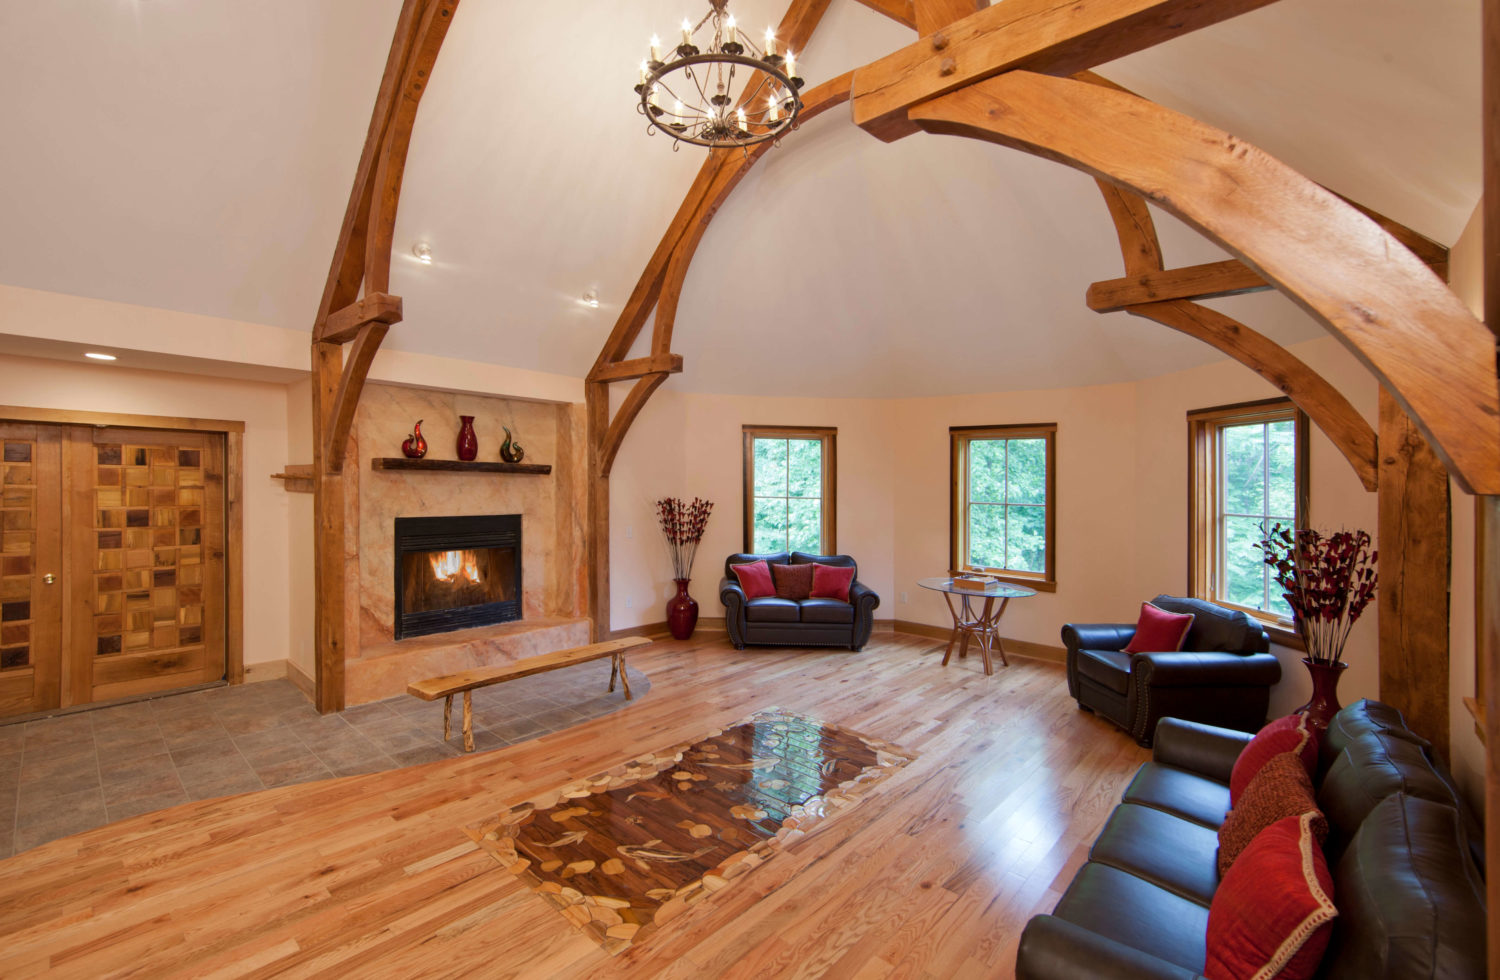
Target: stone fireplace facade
550,508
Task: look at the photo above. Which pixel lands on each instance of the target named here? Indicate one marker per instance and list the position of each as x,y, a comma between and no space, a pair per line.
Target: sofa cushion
1273,912
1372,767
831,582
1281,789
1136,913
1361,718
1163,848
755,578
1410,904
1289,734
770,609
1108,668
1186,794
792,581
826,611
1157,630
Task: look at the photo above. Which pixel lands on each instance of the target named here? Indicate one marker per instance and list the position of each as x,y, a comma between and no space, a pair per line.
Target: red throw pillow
792,581
831,582
1281,789
755,579
1289,734
1273,912
1158,630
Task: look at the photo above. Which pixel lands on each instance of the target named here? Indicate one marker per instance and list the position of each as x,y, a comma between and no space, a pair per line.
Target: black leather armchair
1222,676
787,622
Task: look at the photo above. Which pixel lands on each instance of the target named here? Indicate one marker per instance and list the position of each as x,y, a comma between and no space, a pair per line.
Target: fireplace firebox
454,573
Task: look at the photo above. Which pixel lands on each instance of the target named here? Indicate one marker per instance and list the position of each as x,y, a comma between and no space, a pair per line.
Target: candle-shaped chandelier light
727,92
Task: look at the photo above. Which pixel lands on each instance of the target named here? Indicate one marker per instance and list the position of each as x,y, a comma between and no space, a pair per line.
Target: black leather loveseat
791,622
1405,855
1221,676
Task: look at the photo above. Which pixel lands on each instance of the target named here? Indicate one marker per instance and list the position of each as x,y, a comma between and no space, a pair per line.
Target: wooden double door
112,563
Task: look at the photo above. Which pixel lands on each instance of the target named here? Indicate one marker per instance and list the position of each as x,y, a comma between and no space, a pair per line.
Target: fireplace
454,573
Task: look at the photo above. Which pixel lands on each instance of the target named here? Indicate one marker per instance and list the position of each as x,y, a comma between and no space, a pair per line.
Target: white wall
262,406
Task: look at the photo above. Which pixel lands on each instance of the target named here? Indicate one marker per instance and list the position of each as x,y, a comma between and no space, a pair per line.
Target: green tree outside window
788,495
1257,489
1007,504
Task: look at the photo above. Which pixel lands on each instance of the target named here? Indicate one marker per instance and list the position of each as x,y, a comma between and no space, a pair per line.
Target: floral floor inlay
625,851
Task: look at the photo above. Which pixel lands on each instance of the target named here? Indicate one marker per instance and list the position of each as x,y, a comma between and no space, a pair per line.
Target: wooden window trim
1203,488
828,435
958,439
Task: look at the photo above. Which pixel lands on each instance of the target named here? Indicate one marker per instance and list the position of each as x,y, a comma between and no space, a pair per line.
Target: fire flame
449,564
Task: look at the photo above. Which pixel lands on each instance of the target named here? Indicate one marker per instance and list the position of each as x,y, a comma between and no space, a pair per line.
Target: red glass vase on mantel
682,611
468,443
1325,697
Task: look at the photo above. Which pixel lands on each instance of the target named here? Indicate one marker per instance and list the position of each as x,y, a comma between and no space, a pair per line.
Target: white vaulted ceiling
196,155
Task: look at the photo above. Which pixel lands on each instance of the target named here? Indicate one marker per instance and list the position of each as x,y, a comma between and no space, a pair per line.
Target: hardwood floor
932,875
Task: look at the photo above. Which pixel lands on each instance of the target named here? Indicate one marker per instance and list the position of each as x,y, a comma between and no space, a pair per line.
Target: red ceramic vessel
468,443
682,612
415,446
1325,697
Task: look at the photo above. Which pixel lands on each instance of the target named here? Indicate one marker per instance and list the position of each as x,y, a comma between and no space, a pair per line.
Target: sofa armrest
731,592
1189,668
1096,636
1056,949
733,597
1204,749
861,593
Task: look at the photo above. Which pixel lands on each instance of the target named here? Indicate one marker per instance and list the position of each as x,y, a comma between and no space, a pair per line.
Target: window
1248,466
1004,501
789,489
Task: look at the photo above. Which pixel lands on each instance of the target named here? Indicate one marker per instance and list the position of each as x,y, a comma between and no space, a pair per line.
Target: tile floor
67,774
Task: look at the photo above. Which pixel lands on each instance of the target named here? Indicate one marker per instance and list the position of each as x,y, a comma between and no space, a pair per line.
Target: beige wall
300,578
262,406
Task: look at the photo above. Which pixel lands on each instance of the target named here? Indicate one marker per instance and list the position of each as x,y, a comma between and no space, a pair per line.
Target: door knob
49,578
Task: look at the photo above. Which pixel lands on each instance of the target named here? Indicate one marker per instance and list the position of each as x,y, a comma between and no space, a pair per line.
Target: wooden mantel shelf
457,465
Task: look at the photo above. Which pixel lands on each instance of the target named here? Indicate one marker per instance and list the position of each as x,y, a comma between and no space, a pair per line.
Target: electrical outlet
903,597
629,602
629,531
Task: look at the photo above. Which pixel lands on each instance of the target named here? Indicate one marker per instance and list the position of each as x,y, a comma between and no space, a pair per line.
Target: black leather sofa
789,622
1405,853
1221,676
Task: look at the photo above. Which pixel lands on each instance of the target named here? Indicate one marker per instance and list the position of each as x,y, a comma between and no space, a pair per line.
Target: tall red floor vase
682,612
1325,697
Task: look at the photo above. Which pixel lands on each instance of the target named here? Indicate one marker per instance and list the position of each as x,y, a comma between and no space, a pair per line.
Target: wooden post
1487,509
1415,557
328,536
596,537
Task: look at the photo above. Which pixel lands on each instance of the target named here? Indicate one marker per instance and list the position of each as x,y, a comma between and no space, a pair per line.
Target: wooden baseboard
659,631
1018,648
304,683
266,670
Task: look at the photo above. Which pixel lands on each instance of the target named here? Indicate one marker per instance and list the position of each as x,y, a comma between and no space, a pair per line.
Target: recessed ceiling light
98,356
423,252
591,298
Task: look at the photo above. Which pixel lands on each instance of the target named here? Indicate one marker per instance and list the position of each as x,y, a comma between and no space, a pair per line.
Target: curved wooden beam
346,399
347,268
1136,229
386,193
817,100
1388,308
640,393
1329,410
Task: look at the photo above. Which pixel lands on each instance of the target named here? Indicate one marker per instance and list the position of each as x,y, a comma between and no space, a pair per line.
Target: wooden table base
983,628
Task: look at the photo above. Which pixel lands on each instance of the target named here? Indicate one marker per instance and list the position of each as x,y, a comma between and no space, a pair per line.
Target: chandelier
726,93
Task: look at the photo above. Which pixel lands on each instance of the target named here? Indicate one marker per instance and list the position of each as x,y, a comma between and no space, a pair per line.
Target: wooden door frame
234,487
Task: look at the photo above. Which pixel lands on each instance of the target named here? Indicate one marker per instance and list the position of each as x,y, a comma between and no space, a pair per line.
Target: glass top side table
982,625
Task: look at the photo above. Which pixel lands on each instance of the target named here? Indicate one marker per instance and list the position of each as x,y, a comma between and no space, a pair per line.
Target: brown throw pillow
792,581
1281,789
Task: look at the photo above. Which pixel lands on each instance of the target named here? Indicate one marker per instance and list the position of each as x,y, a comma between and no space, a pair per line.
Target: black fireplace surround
455,573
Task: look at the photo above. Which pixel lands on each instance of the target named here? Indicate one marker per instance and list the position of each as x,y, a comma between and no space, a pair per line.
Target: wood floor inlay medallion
625,851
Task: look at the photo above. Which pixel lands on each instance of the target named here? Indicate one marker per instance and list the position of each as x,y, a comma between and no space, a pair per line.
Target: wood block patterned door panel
147,547
112,563
31,591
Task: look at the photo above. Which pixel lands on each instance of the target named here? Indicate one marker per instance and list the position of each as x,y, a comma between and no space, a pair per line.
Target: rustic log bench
465,682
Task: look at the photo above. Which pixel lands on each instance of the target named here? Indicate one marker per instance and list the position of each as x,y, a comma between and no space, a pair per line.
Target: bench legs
617,669
468,719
